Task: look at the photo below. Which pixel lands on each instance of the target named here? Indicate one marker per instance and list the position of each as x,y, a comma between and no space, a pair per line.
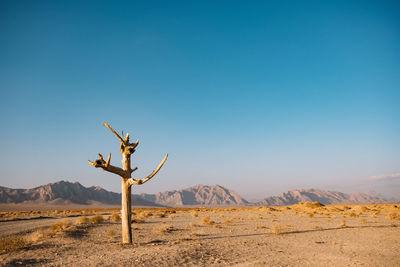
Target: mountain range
322,196
64,193
197,195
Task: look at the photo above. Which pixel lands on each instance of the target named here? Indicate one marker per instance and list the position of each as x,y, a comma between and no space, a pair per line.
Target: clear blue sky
258,96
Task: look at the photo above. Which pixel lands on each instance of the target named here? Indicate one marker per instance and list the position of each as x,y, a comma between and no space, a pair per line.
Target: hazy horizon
259,97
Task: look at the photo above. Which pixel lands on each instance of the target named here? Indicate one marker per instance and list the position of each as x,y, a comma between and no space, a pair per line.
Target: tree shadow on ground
294,232
27,262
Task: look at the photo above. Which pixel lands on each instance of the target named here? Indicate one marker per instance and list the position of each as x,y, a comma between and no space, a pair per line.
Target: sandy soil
238,237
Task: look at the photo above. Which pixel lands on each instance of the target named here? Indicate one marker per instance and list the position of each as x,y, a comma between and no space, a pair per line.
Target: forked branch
106,166
133,181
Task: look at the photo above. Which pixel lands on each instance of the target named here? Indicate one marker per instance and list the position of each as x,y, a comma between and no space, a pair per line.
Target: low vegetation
115,217
183,224
164,229
96,219
207,221
60,226
82,220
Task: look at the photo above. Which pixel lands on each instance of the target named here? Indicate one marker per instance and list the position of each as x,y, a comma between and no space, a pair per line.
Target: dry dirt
300,235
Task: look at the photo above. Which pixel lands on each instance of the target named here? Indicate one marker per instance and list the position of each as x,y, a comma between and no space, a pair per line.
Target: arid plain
305,234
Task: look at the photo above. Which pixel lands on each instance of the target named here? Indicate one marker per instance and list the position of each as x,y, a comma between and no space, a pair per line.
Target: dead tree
126,149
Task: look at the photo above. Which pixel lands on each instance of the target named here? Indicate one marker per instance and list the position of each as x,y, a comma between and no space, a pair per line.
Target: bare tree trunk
126,200
126,149
126,212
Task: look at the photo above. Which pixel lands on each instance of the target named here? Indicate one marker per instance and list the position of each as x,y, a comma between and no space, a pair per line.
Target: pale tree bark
126,149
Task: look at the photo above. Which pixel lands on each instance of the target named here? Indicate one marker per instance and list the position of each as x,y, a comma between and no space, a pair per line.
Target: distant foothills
67,193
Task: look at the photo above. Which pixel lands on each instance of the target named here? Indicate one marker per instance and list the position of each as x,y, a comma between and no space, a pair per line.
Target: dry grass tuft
164,229
207,221
115,217
276,230
35,236
353,214
393,216
161,214
82,220
60,226
194,213
145,214
229,222
97,219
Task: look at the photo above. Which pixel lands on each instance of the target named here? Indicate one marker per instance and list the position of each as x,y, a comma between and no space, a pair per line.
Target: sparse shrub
393,216
11,243
145,214
97,219
164,229
60,226
363,220
115,217
364,209
172,216
353,214
207,221
81,220
310,214
162,214
193,225
35,236
194,213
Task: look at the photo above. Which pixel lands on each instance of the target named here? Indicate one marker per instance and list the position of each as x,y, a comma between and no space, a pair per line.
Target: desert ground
305,234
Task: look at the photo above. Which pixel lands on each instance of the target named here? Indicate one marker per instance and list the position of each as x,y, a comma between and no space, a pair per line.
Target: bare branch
134,169
132,181
108,160
106,166
114,132
136,143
